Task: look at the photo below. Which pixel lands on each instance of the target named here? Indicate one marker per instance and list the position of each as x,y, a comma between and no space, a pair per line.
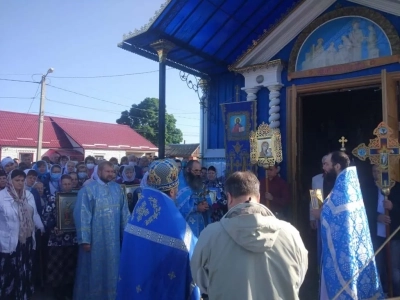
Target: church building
318,70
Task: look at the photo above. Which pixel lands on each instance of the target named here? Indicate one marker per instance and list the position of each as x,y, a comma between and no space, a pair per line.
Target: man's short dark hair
178,161
16,172
341,158
31,173
3,174
65,176
203,168
90,158
104,163
190,163
212,168
242,184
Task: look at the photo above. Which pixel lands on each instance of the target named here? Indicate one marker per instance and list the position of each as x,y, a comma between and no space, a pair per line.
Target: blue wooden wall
223,91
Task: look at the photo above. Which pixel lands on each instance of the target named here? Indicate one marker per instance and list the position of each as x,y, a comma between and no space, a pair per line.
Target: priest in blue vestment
193,199
346,239
157,244
100,214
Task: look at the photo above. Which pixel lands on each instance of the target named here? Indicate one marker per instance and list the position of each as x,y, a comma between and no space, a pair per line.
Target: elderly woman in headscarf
42,170
8,164
69,167
128,175
54,183
62,246
18,219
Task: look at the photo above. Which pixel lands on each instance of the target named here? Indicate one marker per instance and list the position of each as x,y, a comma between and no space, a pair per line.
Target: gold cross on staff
383,152
343,141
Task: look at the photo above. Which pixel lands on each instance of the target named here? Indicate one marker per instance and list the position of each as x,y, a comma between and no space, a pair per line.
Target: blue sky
79,38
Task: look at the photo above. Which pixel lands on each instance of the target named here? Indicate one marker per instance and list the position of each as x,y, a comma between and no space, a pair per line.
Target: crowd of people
34,252
186,234
46,256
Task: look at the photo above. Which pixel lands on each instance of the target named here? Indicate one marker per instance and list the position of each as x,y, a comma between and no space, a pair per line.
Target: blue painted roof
209,35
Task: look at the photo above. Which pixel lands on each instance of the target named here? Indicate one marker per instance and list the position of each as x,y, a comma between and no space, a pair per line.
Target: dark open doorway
325,118
353,114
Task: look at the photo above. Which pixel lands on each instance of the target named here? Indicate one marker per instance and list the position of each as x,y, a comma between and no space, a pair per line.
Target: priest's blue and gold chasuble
346,243
156,252
100,214
187,201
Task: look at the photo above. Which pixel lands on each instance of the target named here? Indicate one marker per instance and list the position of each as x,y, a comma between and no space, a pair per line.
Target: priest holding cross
384,153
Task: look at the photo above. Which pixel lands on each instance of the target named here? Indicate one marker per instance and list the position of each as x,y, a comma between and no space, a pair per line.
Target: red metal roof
21,130
88,134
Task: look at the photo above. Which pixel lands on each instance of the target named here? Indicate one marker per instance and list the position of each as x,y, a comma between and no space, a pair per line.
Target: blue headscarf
155,258
55,179
45,176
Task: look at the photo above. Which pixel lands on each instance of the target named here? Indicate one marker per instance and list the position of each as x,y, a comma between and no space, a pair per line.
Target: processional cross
343,141
383,152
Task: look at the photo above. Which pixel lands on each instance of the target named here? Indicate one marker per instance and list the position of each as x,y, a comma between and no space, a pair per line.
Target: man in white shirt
318,183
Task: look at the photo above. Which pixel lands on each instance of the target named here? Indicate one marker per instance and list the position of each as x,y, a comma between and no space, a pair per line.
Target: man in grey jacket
249,254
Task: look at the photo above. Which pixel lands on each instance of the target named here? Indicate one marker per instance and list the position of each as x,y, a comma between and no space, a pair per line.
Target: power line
30,106
17,98
111,111
87,96
16,80
99,99
18,74
106,76
90,77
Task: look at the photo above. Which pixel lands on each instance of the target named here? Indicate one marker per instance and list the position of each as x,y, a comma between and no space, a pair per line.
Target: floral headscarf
25,211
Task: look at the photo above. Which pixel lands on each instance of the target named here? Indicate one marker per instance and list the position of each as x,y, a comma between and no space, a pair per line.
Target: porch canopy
73,155
208,35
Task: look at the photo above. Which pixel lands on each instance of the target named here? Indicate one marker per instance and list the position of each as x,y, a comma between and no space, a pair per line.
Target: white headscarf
95,176
65,168
5,161
26,186
124,177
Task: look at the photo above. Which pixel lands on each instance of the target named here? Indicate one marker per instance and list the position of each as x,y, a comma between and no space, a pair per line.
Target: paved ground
308,291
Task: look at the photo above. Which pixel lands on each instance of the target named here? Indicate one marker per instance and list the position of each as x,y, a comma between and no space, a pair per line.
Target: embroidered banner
239,119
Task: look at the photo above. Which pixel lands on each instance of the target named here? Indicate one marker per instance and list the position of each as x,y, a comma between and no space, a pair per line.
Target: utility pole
41,114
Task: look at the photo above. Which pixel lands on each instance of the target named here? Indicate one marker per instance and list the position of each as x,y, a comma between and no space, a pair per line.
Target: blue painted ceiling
209,35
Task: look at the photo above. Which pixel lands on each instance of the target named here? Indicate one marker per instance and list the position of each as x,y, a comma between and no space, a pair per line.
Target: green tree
143,117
